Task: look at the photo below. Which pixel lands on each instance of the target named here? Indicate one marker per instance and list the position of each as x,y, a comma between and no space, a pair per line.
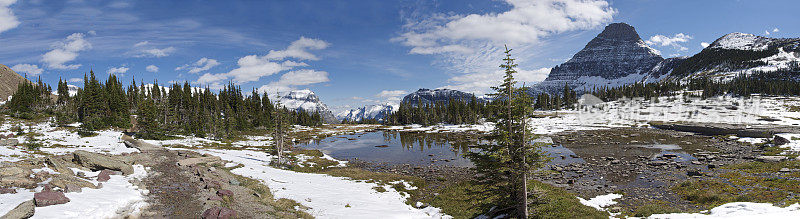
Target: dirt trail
171,193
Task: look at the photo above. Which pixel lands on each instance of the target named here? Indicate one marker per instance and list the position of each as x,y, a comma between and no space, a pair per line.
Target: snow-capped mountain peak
741,41
307,101
377,112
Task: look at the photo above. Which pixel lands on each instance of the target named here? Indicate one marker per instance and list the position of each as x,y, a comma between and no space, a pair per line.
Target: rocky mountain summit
307,101
615,53
427,96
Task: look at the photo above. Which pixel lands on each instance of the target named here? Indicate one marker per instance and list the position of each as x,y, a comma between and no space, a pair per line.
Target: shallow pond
413,148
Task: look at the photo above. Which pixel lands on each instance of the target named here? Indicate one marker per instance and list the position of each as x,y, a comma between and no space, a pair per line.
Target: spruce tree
503,165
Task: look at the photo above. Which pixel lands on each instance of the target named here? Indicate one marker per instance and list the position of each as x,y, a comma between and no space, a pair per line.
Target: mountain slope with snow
307,101
442,96
377,112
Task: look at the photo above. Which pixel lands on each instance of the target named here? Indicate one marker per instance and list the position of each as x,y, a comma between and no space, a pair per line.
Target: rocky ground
181,184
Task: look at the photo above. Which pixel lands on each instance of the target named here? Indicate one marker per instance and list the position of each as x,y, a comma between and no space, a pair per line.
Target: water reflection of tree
423,141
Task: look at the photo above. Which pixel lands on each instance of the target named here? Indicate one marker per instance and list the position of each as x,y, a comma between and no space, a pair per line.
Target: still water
414,148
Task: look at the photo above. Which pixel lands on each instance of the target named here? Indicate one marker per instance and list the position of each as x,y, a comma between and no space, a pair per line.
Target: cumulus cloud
525,23
75,80
151,68
299,49
674,41
775,30
471,45
253,67
704,44
7,19
117,70
295,78
30,70
204,64
391,95
66,51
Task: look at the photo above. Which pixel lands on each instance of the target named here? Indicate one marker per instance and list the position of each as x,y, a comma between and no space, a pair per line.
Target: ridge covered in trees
160,111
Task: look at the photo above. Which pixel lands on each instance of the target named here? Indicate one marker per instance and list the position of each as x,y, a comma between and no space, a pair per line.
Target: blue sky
351,53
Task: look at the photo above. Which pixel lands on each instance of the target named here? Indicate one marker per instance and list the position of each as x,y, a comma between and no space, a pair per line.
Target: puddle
667,147
416,148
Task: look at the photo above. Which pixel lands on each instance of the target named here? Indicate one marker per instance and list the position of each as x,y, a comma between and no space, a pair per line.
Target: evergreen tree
504,164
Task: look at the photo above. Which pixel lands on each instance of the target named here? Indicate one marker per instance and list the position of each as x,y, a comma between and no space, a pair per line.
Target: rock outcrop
96,162
307,101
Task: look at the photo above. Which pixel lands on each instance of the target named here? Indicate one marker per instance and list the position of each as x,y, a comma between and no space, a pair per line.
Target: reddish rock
213,184
219,213
225,192
105,175
48,197
215,198
7,191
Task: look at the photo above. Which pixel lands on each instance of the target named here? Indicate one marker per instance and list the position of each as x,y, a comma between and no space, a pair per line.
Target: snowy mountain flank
307,101
427,96
377,112
618,56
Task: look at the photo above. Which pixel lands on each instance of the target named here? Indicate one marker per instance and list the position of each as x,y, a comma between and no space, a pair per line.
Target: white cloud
766,32
253,67
674,41
75,80
532,76
31,70
525,23
7,19
204,64
391,95
151,68
776,30
471,45
141,49
704,44
299,50
66,51
143,43
118,70
292,79
156,52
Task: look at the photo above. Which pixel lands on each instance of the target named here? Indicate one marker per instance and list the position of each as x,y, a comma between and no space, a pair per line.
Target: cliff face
428,96
307,101
615,53
9,80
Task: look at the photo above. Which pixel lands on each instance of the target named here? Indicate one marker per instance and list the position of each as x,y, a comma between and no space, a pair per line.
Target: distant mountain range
427,96
377,112
618,56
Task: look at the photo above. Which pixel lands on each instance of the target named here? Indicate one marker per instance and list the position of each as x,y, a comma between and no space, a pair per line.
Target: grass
468,200
284,208
653,207
745,182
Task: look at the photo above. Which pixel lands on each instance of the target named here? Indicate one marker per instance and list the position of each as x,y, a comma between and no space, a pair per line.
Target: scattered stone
225,192
382,146
198,160
9,142
72,188
213,184
95,162
778,140
234,182
770,158
215,198
23,210
7,191
48,197
670,155
59,165
217,212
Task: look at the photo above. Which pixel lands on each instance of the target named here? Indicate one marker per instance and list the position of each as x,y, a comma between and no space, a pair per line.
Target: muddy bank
711,129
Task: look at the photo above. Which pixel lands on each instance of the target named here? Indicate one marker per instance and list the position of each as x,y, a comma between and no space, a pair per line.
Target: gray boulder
95,162
23,210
